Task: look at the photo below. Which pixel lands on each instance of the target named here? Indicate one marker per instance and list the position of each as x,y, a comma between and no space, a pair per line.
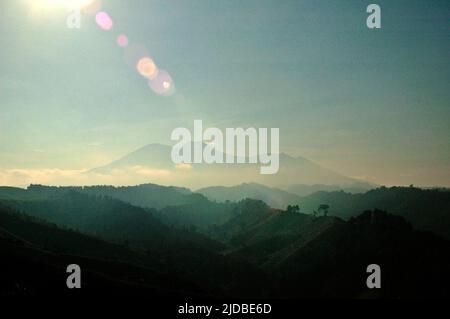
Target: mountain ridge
153,162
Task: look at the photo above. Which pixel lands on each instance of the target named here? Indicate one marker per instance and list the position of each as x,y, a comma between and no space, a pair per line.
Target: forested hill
128,234
252,250
425,209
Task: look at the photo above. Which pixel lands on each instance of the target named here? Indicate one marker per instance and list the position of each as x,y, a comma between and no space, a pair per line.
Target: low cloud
53,176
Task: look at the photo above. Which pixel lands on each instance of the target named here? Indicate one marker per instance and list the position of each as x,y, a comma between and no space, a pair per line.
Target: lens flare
136,55
162,84
147,68
122,40
133,53
104,21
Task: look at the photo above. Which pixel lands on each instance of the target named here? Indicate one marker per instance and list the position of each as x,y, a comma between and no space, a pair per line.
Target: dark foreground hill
35,255
326,257
413,264
182,253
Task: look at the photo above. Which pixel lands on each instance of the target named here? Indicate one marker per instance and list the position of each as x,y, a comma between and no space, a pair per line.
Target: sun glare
68,3
43,7
43,4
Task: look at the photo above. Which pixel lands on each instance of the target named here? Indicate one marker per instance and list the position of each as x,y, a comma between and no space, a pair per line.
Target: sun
79,3
43,4
44,7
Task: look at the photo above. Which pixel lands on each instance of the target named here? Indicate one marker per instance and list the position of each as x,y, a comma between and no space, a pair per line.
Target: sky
369,104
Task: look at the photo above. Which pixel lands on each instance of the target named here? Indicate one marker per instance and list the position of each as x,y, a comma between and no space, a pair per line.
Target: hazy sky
372,104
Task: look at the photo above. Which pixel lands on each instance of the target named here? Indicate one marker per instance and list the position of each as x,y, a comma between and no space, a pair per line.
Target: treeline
425,209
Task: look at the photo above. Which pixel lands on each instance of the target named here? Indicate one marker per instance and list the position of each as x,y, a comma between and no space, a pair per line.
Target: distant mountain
274,197
424,209
152,155
305,190
153,163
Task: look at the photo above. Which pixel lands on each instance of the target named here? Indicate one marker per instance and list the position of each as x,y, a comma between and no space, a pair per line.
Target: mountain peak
153,162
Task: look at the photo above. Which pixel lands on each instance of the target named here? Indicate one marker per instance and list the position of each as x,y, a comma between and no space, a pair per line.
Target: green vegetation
427,209
195,247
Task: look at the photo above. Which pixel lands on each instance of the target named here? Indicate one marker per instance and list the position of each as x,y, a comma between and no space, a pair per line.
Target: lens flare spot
147,68
104,21
133,53
122,40
162,84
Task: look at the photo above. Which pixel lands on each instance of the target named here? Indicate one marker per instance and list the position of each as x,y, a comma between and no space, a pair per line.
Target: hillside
145,195
35,255
334,264
178,251
174,206
267,236
257,252
110,219
274,197
326,257
305,190
424,209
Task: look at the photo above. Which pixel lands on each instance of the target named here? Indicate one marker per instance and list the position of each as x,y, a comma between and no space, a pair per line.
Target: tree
293,209
324,208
